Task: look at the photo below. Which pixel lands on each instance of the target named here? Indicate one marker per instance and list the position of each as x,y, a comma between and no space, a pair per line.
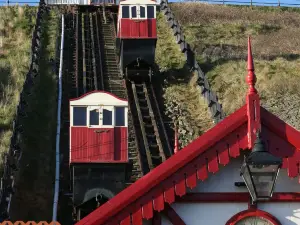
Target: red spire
176,143
251,78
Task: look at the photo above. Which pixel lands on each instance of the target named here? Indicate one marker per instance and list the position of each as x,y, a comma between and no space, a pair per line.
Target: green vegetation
183,99
16,24
218,34
38,160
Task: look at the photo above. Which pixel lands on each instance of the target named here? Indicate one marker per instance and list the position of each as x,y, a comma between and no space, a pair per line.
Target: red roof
216,146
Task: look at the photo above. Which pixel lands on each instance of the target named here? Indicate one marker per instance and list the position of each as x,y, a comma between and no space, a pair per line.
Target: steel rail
93,52
83,53
154,123
99,51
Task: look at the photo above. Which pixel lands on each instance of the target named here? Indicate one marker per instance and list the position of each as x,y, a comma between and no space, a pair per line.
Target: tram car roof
98,98
138,2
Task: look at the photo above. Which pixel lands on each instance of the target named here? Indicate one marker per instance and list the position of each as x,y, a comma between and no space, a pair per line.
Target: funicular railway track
90,63
154,145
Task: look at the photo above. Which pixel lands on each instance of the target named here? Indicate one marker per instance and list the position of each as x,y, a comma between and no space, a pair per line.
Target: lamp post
260,171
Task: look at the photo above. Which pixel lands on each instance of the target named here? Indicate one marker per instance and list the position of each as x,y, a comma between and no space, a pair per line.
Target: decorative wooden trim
252,212
172,215
175,175
235,197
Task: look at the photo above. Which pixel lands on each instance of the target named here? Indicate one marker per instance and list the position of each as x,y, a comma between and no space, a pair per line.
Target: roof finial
251,78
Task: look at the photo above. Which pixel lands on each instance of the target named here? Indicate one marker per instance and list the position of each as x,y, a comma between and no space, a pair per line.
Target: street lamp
260,171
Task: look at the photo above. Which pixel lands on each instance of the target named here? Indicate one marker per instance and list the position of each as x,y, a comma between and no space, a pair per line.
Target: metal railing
270,3
11,3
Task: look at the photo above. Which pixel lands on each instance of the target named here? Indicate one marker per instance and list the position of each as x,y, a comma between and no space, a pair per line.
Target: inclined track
91,64
154,145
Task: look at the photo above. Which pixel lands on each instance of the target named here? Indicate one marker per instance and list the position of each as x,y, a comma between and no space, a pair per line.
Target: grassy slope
16,24
191,114
219,36
36,177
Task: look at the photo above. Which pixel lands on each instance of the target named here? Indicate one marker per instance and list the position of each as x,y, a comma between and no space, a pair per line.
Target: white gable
224,179
99,98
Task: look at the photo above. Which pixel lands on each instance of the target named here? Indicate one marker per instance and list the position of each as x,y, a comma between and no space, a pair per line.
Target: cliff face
218,35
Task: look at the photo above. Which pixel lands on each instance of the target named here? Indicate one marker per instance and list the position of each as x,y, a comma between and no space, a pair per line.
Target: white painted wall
220,213
207,213
223,180
286,213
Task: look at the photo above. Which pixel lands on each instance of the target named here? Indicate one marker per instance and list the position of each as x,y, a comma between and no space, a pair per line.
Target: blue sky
238,2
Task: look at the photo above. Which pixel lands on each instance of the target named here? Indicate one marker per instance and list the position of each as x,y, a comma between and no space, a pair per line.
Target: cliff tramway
91,63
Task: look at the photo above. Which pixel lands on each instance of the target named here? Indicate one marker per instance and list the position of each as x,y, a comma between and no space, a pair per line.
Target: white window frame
91,108
100,107
112,108
138,12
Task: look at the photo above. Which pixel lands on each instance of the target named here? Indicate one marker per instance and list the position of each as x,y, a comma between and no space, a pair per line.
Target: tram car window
150,12
125,12
120,116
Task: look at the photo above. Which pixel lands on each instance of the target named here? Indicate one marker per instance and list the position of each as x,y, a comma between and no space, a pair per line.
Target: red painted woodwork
252,212
173,217
234,197
130,28
169,177
98,144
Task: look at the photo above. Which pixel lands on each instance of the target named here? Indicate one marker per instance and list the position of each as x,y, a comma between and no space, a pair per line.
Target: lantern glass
264,179
245,173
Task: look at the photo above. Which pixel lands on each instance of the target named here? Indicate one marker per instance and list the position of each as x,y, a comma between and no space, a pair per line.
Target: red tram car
98,149
136,36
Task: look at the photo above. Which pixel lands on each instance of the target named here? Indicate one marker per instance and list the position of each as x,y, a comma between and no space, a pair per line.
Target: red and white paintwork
196,185
101,143
136,27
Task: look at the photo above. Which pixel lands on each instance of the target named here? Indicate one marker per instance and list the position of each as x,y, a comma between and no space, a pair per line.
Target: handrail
56,187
